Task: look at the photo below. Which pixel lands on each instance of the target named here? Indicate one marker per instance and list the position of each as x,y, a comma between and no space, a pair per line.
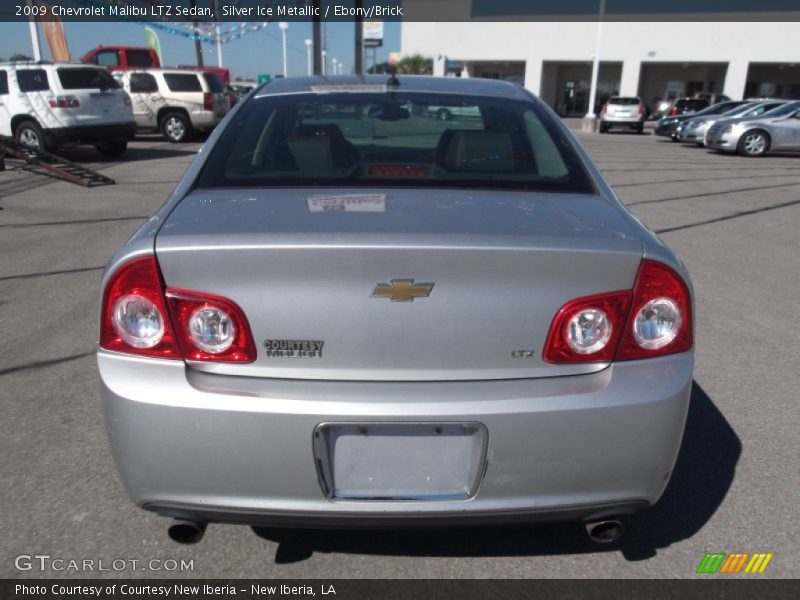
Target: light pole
308,54
333,64
37,49
283,25
590,120
324,61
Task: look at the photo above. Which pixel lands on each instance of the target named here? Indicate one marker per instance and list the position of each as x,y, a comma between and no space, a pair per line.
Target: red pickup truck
120,58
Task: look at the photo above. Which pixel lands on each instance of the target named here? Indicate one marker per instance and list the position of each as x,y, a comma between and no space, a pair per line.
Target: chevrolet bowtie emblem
402,290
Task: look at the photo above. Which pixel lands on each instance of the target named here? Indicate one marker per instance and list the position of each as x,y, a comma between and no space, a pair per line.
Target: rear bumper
205,120
89,134
200,446
622,121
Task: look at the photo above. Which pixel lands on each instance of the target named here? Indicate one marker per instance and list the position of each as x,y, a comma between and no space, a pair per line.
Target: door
5,114
145,99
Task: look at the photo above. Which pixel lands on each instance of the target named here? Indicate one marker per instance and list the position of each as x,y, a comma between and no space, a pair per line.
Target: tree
17,57
415,64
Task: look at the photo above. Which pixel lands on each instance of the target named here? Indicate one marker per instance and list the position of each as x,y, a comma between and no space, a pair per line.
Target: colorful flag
152,42
54,33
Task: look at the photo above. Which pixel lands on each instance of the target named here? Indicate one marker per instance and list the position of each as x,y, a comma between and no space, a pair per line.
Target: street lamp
333,64
308,55
283,25
324,61
590,120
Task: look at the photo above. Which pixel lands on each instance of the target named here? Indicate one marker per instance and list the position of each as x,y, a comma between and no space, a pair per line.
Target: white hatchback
48,105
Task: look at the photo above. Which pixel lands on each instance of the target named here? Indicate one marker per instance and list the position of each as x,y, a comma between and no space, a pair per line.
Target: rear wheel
29,134
754,143
640,128
175,128
443,114
113,148
603,127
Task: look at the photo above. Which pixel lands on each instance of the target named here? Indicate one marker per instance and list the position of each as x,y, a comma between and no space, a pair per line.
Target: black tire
673,137
754,143
603,128
640,128
176,128
113,148
444,115
30,134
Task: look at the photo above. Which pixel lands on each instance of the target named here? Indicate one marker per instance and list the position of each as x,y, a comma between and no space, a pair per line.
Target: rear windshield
215,84
402,139
86,79
624,101
32,80
178,82
692,104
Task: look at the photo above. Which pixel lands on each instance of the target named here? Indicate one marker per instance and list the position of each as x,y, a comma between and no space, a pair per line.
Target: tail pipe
187,532
605,531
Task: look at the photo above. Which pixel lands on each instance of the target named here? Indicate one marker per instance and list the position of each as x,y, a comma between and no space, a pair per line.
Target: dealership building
652,60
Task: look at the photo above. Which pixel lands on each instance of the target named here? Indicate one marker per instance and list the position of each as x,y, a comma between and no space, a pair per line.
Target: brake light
660,320
210,328
605,109
65,102
673,112
140,317
588,329
653,319
397,171
134,316
208,101
641,110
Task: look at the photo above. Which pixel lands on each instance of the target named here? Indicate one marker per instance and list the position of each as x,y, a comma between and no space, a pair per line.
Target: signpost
264,78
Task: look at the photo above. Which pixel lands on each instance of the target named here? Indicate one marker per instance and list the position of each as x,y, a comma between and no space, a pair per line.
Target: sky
258,52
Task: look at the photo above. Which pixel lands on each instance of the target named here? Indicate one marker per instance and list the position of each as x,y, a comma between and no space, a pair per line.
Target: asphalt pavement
734,221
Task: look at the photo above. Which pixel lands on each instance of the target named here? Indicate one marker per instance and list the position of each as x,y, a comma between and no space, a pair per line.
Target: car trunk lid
308,266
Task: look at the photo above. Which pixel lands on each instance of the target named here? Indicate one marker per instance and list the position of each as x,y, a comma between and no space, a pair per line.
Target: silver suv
622,111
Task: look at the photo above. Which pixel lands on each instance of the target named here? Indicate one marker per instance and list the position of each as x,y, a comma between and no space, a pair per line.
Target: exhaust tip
186,532
606,531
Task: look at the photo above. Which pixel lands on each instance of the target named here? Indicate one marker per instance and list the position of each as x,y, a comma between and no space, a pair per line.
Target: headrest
481,151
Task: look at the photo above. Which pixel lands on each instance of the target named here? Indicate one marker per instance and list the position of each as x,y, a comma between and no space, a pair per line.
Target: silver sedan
775,131
350,313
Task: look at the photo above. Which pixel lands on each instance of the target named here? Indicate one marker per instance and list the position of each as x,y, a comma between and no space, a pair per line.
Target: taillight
653,319
605,109
588,329
208,101
140,317
397,171
210,328
674,111
641,110
65,102
134,318
661,315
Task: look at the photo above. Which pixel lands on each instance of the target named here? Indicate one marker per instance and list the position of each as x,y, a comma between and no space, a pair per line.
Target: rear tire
113,148
640,128
175,128
603,127
444,115
28,133
754,143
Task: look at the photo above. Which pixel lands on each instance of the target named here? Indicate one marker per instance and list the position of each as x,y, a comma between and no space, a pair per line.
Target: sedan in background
352,314
775,131
667,126
628,113
694,130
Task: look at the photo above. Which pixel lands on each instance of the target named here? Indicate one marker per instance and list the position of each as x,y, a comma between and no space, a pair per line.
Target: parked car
667,126
49,105
120,58
221,72
775,131
712,97
694,130
334,322
620,111
176,102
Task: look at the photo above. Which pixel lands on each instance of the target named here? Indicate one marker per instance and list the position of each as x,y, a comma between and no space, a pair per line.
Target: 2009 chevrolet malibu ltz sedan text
353,313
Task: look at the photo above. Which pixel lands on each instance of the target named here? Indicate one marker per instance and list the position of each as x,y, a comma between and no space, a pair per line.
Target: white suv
175,102
47,105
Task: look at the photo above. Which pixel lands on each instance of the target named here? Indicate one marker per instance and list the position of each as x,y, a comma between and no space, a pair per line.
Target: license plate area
400,461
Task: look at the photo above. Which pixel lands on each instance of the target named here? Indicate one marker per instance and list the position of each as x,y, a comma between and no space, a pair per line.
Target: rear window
107,58
3,82
143,83
139,58
352,139
32,80
86,79
178,82
624,101
214,83
692,104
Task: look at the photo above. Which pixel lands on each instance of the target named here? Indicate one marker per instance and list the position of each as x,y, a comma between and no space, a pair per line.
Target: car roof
28,64
491,88
166,70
